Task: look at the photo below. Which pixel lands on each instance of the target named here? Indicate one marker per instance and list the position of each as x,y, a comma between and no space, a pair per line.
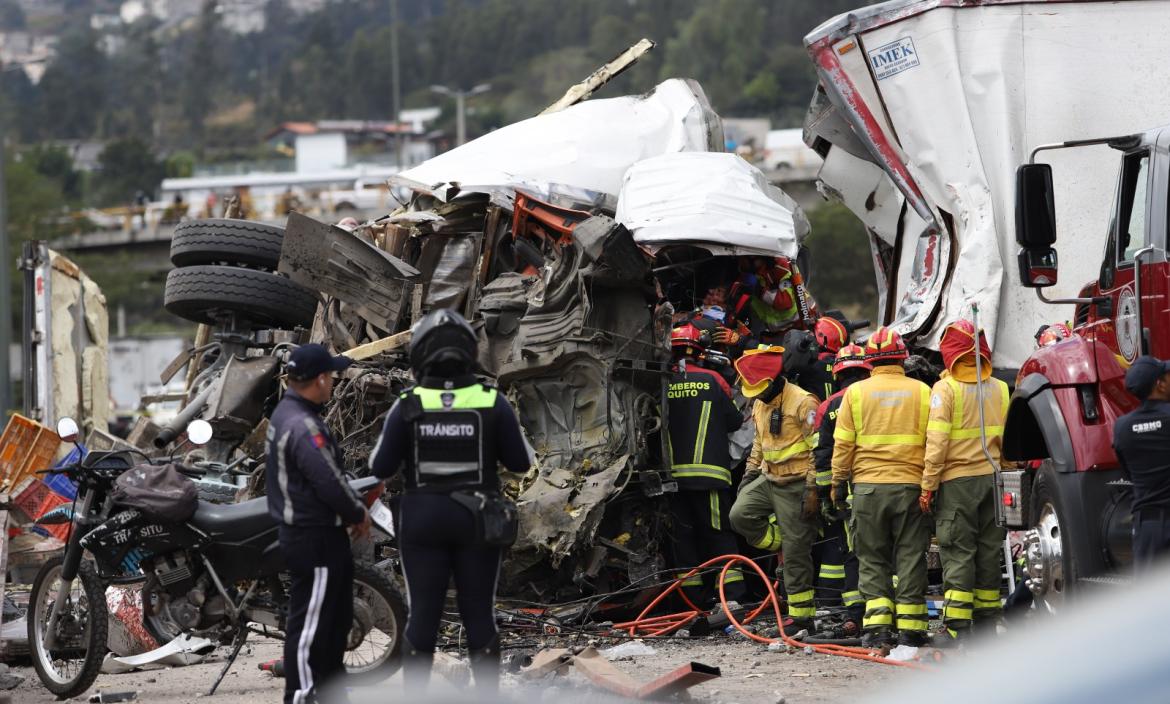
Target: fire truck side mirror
1037,267
1035,207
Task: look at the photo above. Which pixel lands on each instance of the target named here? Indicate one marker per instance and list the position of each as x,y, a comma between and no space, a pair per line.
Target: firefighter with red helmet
879,443
837,571
831,335
780,479
958,482
770,292
700,415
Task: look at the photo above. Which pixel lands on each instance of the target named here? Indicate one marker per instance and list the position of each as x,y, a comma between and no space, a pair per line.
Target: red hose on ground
652,626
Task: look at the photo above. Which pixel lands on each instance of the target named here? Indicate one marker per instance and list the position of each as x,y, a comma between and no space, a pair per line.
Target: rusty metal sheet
338,263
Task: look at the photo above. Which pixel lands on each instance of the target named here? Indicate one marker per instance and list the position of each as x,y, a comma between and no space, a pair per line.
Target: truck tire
204,294
1049,548
214,241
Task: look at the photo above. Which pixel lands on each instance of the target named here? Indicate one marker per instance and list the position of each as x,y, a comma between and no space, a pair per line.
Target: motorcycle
219,575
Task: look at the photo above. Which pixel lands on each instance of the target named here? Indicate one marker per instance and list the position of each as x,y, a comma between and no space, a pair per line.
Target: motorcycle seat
243,520
248,518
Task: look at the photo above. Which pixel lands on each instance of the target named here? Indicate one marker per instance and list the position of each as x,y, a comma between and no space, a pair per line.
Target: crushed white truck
924,113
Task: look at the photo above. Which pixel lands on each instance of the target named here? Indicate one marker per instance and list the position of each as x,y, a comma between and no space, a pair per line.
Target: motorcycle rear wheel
72,667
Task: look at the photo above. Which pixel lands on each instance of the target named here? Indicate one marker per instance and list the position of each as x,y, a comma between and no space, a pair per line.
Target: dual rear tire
226,269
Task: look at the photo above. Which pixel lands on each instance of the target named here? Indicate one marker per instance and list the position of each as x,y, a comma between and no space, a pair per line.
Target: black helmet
442,344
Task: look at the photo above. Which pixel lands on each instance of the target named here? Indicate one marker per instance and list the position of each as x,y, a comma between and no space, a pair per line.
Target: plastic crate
25,447
61,485
34,500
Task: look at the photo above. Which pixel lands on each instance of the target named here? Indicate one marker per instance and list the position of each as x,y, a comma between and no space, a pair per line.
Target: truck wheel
214,241
207,294
1048,551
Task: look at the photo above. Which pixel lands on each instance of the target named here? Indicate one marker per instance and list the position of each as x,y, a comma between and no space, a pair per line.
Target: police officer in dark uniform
310,498
1142,441
448,434
700,414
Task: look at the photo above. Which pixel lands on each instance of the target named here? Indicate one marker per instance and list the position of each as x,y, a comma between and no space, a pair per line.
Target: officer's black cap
308,361
1143,374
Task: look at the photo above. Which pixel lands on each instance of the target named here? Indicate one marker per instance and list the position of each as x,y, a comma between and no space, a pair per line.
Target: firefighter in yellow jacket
781,478
958,483
879,442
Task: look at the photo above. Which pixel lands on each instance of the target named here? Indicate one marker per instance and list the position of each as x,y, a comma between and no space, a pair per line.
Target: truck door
1129,233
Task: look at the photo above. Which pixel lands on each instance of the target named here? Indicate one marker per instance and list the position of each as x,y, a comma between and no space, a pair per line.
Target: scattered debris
111,697
596,668
628,650
183,650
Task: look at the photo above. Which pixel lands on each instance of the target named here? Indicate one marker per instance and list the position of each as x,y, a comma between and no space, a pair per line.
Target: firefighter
780,478
958,481
1142,441
701,414
831,335
879,443
448,435
837,565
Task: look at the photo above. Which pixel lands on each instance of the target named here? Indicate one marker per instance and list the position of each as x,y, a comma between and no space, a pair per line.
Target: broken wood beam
601,76
386,344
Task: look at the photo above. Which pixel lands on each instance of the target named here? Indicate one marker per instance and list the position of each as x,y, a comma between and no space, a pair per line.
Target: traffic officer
1142,441
311,500
831,335
700,413
448,435
969,540
780,477
879,443
833,553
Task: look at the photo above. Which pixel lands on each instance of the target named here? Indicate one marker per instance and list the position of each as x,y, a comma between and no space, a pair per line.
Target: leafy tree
11,15
73,87
201,72
842,269
127,166
55,162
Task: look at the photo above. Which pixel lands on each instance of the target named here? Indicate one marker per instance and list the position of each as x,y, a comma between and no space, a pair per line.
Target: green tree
842,268
73,87
127,166
200,72
55,162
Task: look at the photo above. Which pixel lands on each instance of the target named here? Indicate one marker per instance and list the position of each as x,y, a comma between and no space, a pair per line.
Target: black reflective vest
454,439
701,414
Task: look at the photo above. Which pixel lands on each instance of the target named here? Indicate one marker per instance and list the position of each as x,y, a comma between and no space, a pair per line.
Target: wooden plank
386,344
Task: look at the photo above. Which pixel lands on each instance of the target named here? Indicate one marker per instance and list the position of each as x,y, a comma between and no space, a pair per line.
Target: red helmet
1053,334
831,334
686,338
851,357
886,344
958,340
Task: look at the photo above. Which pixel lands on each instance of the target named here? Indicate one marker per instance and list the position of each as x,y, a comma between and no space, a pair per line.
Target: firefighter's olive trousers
890,537
971,547
750,517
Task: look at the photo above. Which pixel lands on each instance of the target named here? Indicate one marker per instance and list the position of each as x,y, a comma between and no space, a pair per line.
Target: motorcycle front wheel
374,644
72,665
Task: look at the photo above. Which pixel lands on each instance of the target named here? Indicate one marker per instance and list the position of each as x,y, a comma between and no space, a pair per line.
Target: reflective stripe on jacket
786,456
953,445
701,414
881,429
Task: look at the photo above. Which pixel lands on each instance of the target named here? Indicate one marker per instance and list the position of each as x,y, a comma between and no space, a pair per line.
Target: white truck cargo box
928,108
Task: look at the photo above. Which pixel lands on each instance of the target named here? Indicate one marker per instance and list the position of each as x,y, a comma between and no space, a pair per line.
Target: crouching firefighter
312,502
700,413
833,553
958,482
780,478
448,434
